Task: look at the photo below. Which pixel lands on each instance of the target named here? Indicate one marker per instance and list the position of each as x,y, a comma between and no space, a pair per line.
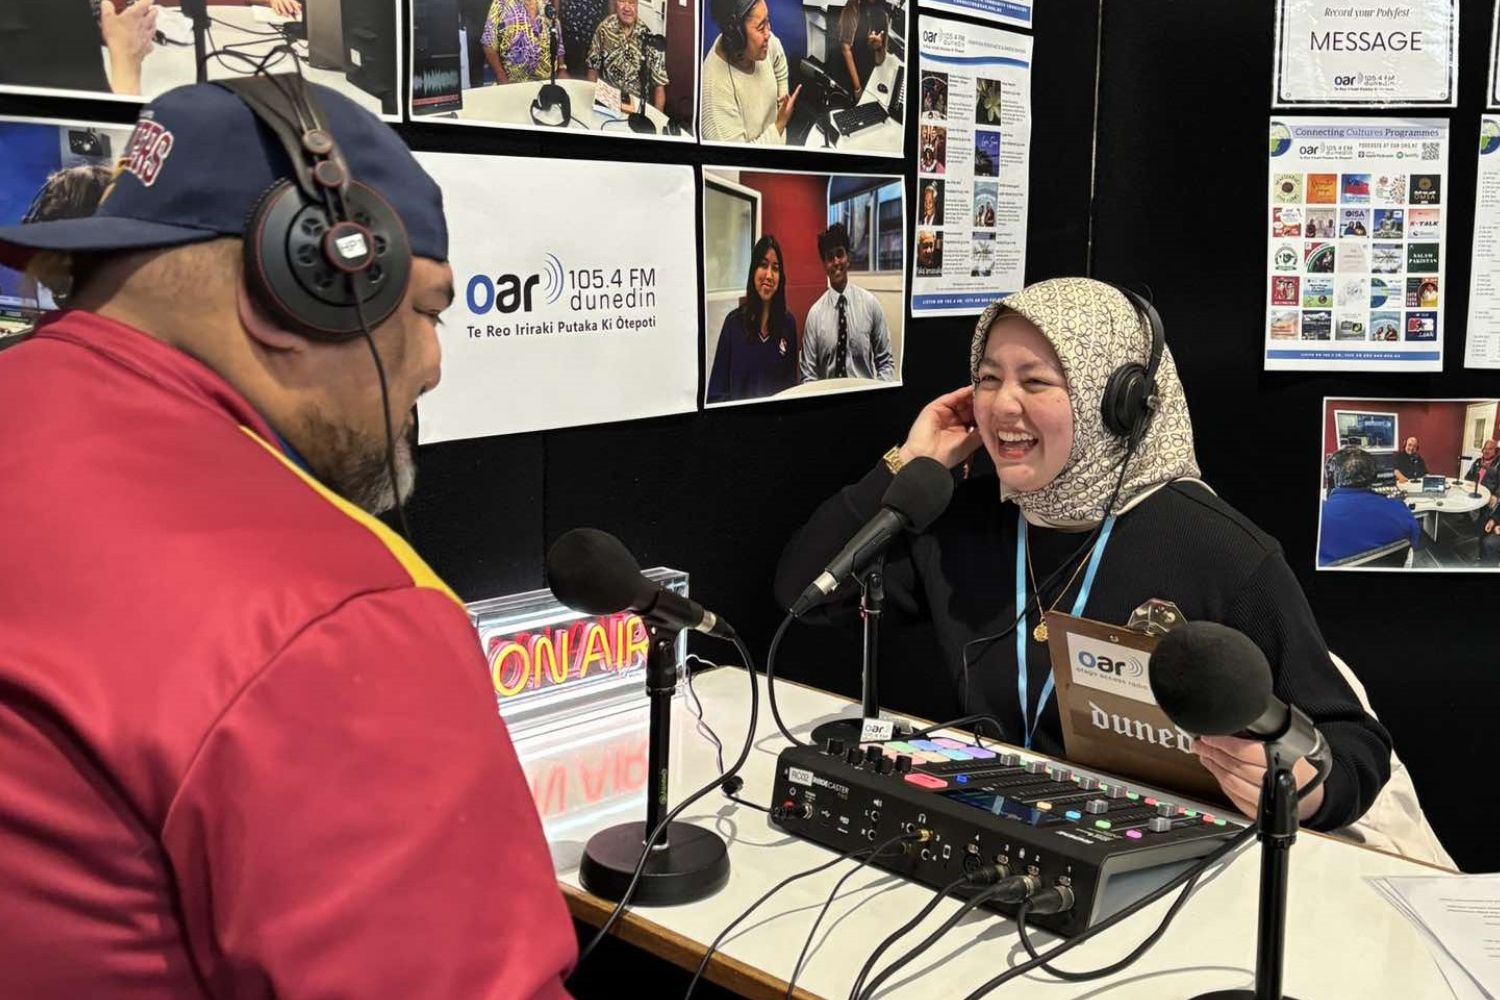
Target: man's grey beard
354,466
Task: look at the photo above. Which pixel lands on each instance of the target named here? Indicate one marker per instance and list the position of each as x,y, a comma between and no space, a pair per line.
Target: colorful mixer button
1133,834
926,780
955,755
950,744
1074,815
979,753
1103,824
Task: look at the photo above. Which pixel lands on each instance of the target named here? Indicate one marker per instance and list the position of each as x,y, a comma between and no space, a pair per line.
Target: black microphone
918,494
1213,681
591,570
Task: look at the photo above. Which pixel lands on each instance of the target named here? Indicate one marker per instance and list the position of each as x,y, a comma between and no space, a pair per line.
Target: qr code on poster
1430,150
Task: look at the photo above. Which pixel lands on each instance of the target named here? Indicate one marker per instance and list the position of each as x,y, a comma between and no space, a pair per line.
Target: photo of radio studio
601,66
813,75
137,49
829,554
1410,484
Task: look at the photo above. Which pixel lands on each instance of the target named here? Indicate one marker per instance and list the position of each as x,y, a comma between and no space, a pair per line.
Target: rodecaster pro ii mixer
988,806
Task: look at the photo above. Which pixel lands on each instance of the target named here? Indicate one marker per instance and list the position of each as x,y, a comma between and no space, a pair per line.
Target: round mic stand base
693,864
1235,995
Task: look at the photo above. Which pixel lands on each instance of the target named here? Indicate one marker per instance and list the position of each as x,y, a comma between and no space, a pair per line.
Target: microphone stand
686,862
1276,824
197,12
551,96
638,120
871,607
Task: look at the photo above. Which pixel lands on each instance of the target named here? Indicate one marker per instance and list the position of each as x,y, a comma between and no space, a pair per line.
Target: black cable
734,784
655,835
901,932
771,681
1233,844
1018,885
714,945
791,985
1112,968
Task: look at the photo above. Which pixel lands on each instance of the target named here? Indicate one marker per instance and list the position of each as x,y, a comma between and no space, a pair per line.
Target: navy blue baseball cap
199,161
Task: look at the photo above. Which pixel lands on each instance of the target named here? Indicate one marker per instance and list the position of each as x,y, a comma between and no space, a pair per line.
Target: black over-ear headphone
730,15
317,241
1130,394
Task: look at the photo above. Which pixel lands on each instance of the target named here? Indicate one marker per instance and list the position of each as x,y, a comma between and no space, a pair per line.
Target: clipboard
1110,720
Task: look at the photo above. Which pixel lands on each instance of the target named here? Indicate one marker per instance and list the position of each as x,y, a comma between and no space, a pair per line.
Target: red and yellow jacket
248,746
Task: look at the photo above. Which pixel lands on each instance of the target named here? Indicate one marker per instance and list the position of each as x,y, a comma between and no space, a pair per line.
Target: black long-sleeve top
1182,544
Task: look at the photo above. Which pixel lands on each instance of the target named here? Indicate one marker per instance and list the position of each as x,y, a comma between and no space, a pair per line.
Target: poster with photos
51,170
973,161
775,74
1356,226
804,283
624,68
1410,485
1482,345
127,50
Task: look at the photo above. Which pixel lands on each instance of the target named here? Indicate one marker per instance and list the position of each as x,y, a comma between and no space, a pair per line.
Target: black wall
1184,90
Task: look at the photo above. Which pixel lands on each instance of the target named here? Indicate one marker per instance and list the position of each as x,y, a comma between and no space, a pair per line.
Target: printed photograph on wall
829,76
50,170
134,50
1410,484
615,67
804,281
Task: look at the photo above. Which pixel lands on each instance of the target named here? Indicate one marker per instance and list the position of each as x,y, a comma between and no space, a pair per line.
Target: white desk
169,66
1343,940
510,104
1456,500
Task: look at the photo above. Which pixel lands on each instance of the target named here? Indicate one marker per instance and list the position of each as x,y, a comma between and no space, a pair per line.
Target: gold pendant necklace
1040,632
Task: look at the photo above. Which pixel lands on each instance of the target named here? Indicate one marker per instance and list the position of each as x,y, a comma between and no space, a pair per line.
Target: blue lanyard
1028,724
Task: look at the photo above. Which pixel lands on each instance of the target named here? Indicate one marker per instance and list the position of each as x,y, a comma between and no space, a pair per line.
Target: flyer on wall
804,283
1017,12
1482,349
591,66
577,309
973,161
1356,223
132,51
1368,52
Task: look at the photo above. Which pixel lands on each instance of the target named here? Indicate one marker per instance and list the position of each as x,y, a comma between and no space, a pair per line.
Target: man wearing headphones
744,80
250,744
1356,519
1094,508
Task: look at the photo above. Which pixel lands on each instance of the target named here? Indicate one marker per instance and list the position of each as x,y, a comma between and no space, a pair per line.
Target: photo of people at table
1410,484
818,74
804,277
51,170
138,49
622,67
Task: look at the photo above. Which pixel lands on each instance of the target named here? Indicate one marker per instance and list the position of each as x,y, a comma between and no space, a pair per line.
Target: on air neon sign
568,654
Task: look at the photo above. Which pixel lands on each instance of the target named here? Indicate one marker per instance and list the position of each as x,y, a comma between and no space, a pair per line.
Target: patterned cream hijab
1094,329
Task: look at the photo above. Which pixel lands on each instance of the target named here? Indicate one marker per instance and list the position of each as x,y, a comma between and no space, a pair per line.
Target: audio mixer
993,806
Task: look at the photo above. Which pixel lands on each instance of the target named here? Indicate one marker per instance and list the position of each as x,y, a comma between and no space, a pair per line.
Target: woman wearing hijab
1039,364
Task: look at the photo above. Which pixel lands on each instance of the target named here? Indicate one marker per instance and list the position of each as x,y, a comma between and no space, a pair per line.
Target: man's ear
259,324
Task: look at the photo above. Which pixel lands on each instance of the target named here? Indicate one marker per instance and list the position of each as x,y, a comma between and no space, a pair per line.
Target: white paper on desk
266,15
1460,917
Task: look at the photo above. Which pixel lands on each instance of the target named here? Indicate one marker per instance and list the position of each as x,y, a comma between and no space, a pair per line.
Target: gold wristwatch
892,460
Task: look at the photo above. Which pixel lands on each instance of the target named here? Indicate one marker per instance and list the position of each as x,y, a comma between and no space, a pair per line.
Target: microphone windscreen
591,570
920,491
1210,679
